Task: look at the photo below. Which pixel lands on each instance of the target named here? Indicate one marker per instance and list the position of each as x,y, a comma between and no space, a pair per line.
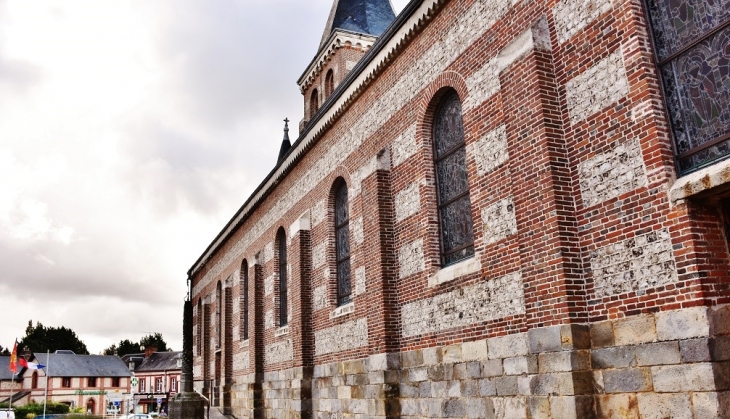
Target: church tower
352,28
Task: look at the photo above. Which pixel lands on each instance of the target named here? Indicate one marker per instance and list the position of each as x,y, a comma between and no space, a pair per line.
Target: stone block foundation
669,364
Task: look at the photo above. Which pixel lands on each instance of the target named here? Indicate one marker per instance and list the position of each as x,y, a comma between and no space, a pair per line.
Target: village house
87,381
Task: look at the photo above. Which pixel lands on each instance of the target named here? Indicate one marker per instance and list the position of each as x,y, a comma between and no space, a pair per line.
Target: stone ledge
281,331
343,310
701,181
456,271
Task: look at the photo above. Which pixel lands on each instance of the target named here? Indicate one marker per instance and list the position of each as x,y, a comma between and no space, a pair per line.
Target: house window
66,382
283,315
342,244
158,384
452,183
34,380
173,384
115,382
244,300
91,382
692,45
142,385
329,83
219,314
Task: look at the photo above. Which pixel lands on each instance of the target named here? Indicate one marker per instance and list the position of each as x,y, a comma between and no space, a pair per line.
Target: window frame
659,64
340,187
66,382
283,280
244,300
91,382
439,103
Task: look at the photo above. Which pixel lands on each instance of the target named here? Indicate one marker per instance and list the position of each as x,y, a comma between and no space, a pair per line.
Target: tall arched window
283,314
452,184
244,300
314,102
200,327
34,380
342,244
219,314
329,83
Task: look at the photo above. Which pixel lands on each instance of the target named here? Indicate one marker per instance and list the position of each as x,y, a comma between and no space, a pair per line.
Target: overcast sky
130,132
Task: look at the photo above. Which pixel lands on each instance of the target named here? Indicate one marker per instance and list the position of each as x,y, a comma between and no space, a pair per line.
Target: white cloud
130,132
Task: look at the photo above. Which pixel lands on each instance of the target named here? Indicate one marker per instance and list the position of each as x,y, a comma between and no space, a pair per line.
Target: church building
493,209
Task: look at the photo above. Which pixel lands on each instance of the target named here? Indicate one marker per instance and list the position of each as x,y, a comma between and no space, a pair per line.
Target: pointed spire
285,144
369,17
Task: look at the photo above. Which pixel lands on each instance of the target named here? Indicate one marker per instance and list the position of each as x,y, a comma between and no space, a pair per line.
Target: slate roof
63,365
5,373
369,17
160,361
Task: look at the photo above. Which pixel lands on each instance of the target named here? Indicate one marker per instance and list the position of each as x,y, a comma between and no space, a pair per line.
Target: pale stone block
539,407
685,377
563,361
662,406
520,365
383,362
634,330
432,356
452,354
682,324
344,392
624,406
544,339
507,346
662,353
627,380
510,408
524,384
474,351
563,407
707,406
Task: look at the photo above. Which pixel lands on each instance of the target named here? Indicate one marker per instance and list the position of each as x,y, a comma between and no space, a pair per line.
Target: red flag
14,359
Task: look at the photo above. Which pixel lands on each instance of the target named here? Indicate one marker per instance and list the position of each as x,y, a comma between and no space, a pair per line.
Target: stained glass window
244,300
692,42
218,315
454,205
199,335
283,315
342,245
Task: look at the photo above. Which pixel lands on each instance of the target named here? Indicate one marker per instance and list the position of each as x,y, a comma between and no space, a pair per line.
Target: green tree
126,347
154,340
4,351
40,338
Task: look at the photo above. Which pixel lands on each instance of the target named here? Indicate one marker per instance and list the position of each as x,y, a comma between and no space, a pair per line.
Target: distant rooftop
369,17
160,361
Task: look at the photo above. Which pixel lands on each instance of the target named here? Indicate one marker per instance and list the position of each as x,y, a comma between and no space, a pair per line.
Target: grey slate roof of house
5,373
369,17
160,361
62,365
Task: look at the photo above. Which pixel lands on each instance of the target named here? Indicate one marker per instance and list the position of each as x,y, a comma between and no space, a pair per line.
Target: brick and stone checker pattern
600,278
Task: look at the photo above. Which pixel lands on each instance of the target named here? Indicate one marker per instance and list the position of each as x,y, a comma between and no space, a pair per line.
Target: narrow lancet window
283,304
342,244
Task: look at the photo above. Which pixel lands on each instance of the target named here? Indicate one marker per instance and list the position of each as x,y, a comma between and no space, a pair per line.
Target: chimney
149,350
